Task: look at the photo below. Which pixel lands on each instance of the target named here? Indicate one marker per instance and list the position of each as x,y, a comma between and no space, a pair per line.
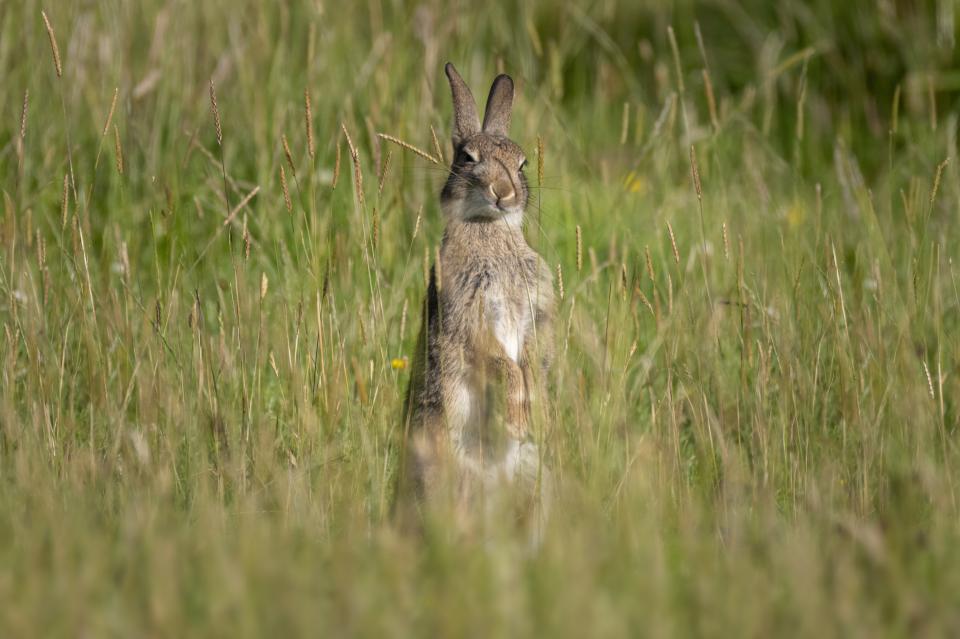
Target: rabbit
487,329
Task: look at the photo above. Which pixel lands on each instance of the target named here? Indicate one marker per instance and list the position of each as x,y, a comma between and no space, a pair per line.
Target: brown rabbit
486,336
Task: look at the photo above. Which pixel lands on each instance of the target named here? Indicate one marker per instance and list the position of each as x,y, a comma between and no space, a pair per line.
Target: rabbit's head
486,180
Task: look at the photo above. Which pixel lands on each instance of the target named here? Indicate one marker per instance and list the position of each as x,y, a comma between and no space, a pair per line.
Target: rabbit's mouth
493,213
477,209
484,209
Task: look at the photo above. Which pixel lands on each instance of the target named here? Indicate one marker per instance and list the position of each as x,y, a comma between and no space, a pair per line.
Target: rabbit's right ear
465,120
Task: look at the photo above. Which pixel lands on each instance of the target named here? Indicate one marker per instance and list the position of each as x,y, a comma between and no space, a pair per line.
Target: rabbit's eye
523,164
469,155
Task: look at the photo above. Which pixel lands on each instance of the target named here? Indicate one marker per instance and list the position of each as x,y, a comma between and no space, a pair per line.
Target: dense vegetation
207,312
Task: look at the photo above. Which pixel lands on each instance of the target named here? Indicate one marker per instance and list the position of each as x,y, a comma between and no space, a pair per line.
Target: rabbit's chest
488,306
507,320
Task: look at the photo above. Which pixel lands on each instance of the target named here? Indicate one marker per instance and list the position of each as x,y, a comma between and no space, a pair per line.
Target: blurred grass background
754,410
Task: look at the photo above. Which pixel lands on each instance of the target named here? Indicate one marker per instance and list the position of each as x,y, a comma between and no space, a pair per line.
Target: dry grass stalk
42,263
673,243
264,283
711,101
336,167
700,45
383,172
646,254
286,191
676,59
403,319
113,105
409,147
65,200
726,241
436,144
308,116
86,267
707,82
375,229
53,43
560,280
416,225
669,294
439,266
695,173
249,196
740,269
836,270
216,113
801,99
895,117
646,302
41,251
118,150
625,123
357,173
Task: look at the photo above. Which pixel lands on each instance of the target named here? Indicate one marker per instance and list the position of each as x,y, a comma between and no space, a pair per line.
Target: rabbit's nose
502,191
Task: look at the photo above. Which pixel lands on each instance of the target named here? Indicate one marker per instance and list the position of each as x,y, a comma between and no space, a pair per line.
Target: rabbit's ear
496,119
465,120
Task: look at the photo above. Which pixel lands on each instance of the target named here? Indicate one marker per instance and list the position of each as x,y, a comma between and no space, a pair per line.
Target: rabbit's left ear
496,118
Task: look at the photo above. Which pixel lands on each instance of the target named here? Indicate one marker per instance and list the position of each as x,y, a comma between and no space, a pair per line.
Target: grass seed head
23,115
357,173
216,113
539,161
118,150
673,243
308,117
579,249
53,43
695,173
286,190
287,153
936,181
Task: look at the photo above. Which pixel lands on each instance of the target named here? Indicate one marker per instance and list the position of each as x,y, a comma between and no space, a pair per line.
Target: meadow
212,265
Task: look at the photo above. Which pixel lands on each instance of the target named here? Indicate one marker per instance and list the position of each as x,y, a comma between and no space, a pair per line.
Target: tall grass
203,355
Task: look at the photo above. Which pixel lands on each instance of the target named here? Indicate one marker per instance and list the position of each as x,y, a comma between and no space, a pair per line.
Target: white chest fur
508,321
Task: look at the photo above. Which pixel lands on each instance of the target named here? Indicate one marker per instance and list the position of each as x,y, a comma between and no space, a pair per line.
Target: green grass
199,420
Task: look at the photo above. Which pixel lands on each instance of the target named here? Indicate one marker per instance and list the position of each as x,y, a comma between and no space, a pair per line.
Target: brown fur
486,332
